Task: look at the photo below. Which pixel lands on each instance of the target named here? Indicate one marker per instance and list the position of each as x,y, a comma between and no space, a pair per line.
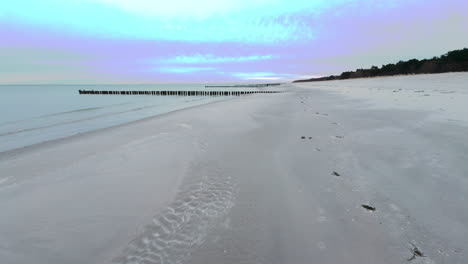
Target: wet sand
280,178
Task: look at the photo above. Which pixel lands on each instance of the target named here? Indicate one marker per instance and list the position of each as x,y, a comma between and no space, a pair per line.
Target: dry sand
275,178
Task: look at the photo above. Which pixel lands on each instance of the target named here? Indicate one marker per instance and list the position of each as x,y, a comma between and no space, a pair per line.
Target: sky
210,41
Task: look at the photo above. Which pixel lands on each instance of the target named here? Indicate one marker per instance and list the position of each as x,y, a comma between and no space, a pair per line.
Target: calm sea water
38,113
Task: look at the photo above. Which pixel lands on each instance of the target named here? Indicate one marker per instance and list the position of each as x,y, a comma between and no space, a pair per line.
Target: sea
32,114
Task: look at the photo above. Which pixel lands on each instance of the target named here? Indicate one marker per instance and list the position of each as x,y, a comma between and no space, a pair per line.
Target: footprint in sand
184,125
318,113
321,245
5,180
202,144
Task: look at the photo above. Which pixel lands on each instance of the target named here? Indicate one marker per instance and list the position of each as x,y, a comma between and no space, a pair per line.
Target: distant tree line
453,61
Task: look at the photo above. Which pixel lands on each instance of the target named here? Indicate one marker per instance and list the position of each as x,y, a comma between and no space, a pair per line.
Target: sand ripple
202,202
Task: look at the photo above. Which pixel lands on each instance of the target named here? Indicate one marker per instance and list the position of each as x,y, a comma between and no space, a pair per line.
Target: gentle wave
60,113
76,121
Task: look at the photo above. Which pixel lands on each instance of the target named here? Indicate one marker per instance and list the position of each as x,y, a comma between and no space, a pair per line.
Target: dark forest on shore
453,61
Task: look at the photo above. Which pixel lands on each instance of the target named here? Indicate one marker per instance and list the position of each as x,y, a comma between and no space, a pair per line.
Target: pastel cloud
176,69
245,21
196,21
204,9
261,75
212,59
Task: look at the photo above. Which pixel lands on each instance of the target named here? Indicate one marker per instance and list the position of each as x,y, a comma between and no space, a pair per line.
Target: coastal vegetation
453,61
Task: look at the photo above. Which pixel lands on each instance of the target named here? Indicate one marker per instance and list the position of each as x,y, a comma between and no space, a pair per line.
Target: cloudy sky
198,41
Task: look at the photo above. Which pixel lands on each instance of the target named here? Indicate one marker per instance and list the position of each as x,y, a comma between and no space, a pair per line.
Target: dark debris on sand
416,252
368,207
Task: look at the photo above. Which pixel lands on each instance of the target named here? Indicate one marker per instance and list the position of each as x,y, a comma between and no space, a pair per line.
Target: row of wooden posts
178,93
257,85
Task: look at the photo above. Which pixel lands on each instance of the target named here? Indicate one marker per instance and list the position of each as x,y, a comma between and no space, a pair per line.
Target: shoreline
62,140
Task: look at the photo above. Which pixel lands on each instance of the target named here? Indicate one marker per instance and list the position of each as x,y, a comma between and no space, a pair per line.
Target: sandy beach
267,178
